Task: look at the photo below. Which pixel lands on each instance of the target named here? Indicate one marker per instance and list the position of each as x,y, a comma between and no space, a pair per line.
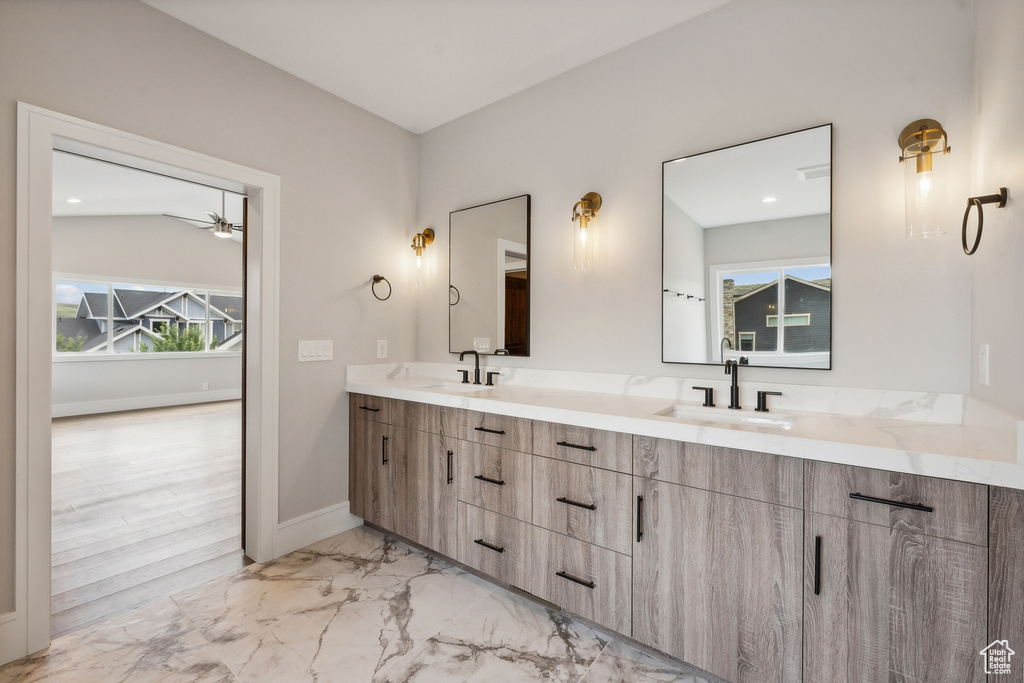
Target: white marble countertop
974,444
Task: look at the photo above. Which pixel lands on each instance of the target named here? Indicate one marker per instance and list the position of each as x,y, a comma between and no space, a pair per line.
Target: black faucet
733,368
476,371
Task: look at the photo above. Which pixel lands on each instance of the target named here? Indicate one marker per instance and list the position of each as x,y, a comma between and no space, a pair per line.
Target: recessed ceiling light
768,200
74,200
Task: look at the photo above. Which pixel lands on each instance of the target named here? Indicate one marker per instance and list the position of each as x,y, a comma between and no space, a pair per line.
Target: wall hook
998,199
373,287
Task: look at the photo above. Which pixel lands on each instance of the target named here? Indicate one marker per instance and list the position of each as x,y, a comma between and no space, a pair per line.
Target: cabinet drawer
593,582
944,508
495,479
610,450
582,502
422,417
372,408
497,545
494,430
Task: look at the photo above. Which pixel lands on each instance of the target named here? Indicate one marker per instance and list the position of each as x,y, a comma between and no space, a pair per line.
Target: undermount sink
724,415
458,387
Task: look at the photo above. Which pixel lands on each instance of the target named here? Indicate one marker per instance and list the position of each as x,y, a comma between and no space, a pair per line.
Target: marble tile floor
358,607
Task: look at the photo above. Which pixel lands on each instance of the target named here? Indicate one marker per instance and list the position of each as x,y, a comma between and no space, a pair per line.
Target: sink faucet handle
762,400
465,376
490,378
709,396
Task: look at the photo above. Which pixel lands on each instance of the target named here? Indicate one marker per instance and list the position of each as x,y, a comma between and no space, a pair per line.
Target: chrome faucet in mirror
747,244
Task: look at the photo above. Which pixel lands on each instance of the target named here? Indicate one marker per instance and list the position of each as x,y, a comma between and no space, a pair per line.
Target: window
752,298
118,318
790,320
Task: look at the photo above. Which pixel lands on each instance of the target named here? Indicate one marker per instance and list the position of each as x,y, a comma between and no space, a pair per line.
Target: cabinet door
369,481
888,605
409,465
717,581
441,504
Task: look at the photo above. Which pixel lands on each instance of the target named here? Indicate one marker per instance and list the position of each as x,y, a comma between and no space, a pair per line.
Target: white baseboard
316,526
119,404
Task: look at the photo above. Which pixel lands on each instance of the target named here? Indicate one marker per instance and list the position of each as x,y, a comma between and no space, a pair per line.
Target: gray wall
743,71
997,275
348,189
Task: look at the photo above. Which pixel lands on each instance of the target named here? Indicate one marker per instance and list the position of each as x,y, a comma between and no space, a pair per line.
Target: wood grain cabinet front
717,581
586,503
884,604
596,447
496,545
372,408
370,492
513,433
423,488
583,578
496,479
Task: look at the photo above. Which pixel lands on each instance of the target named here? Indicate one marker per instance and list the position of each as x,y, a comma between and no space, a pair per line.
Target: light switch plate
984,354
316,350
481,343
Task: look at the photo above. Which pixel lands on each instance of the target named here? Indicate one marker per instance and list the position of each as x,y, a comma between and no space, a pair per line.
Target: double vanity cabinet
752,566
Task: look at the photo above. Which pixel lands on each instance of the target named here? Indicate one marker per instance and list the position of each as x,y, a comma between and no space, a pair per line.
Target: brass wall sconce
925,187
999,199
419,243
583,238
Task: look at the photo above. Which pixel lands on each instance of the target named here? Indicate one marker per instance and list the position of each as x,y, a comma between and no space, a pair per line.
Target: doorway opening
148,318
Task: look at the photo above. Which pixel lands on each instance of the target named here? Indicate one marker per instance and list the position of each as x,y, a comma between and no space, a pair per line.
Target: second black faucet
476,371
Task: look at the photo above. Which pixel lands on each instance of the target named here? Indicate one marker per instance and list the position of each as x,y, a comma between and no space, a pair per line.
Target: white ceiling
105,189
728,186
422,63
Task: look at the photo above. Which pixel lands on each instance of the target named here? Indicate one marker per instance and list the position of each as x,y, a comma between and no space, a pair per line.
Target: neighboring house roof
97,303
231,341
135,302
230,306
773,284
120,331
72,328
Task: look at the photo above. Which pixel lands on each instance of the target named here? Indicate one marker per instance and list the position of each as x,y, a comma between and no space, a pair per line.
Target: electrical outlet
206,386
984,354
382,348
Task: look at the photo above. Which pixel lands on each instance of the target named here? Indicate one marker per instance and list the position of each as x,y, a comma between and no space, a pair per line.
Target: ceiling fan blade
193,220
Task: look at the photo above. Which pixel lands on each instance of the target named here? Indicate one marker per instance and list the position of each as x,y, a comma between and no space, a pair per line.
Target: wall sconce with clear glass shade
921,142
583,212
419,243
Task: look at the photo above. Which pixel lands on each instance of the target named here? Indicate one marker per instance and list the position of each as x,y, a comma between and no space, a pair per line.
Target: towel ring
376,280
998,199
458,297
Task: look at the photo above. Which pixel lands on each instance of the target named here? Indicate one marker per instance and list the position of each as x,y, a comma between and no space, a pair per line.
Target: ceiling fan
220,227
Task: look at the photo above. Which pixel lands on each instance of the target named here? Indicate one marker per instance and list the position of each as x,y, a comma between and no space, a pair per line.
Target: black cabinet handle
585,506
371,410
450,454
497,549
893,503
570,577
572,445
489,431
384,450
817,565
639,518
499,482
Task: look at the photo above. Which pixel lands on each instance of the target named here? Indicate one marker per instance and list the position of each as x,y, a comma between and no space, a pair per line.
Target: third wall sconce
419,243
583,235
925,189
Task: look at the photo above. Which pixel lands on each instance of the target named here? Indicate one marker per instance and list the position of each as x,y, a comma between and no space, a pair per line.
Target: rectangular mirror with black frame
747,253
489,278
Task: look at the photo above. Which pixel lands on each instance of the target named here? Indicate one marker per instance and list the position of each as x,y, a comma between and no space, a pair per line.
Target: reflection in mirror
489,283
747,249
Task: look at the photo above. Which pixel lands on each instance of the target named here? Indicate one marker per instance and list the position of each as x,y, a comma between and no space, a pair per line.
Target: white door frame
40,131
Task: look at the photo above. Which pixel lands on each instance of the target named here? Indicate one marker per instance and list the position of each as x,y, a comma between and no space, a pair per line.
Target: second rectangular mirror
489,278
747,249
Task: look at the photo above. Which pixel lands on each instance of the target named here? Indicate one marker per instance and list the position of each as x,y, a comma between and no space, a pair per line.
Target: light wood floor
145,503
